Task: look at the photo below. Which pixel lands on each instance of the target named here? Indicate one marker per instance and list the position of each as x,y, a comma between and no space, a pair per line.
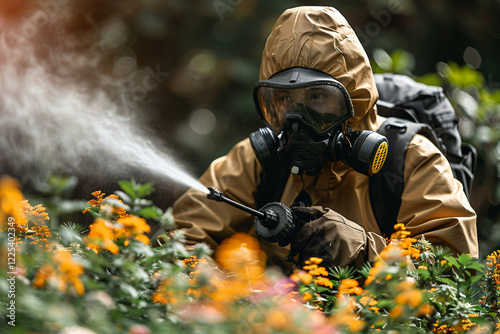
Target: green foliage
108,279
446,293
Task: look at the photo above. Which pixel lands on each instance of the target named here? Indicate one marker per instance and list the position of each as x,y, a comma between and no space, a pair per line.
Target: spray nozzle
273,222
215,194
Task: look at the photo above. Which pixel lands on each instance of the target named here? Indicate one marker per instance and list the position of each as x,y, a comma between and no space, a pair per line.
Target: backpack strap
386,187
272,184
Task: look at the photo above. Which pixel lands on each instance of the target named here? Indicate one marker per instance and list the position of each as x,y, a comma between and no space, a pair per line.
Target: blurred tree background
187,68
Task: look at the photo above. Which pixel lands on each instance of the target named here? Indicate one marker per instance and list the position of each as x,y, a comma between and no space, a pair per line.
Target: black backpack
414,108
411,108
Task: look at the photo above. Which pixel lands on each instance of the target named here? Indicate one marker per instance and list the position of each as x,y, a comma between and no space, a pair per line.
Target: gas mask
305,111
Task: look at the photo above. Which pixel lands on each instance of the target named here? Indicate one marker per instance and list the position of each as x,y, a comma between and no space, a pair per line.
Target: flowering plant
112,278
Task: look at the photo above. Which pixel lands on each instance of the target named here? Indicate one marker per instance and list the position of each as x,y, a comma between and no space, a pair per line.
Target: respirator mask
305,111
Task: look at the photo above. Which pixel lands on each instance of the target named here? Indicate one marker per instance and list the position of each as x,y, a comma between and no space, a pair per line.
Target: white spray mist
49,125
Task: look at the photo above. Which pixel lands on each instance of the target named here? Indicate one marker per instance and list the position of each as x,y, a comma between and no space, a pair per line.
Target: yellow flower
314,260
467,324
399,227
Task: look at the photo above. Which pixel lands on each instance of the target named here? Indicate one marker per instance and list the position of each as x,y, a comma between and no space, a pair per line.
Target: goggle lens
322,106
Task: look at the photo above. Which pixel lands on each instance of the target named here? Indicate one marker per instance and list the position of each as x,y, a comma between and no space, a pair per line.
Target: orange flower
306,278
412,298
142,238
134,225
42,275
320,271
99,195
163,294
65,270
10,202
324,282
425,309
241,255
366,300
307,296
396,311
279,321
40,236
70,270
345,316
102,235
349,286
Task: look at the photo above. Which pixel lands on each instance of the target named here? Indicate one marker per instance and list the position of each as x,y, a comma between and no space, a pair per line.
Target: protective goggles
316,98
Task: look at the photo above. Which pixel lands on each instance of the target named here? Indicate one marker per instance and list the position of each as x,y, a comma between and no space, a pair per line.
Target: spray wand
273,222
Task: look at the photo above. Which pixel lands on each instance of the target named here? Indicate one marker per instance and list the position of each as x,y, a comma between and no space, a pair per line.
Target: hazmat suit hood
321,38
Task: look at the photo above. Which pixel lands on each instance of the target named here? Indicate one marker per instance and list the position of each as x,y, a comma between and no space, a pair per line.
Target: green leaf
140,248
320,289
431,79
423,274
128,187
463,76
464,259
150,212
475,279
476,266
145,189
129,290
452,260
446,281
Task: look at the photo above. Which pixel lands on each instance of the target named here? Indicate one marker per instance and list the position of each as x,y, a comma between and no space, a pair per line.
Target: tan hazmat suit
433,202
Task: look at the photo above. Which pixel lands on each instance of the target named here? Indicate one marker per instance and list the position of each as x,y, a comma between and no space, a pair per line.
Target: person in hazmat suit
316,85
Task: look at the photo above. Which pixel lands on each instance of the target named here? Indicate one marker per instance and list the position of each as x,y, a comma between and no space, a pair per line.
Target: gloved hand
327,235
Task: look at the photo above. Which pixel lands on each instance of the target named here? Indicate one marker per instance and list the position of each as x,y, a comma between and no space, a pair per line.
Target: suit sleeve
236,175
433,201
